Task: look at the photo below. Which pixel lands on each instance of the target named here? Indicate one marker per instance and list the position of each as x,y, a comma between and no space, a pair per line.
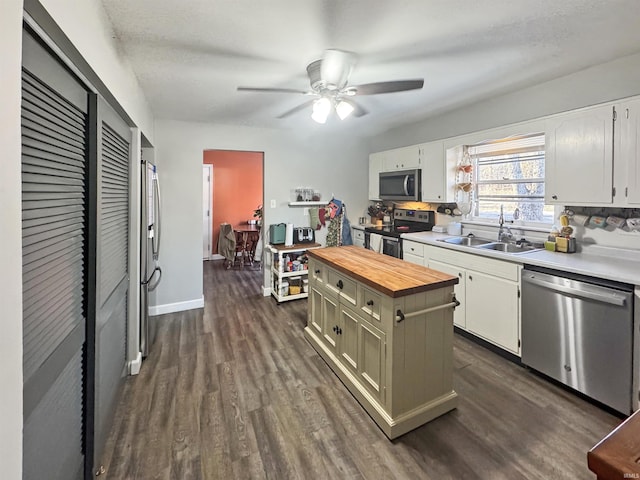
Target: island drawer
342,284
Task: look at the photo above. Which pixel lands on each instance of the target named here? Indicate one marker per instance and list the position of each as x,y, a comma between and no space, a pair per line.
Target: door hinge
518,343
208,213
613,191
615,114
626,191
518,293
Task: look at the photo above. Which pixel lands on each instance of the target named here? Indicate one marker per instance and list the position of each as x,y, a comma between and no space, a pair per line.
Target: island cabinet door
330,320
314,315
348,344
372,359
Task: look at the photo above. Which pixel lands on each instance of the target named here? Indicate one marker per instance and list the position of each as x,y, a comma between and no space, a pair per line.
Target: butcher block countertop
389,275
617,455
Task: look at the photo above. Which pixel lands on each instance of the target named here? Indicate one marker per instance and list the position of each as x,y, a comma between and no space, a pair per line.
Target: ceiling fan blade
336,67
386,87
273,90
358,110
296,109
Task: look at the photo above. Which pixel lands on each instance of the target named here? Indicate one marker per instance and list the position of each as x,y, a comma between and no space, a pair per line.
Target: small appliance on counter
277,233
303,235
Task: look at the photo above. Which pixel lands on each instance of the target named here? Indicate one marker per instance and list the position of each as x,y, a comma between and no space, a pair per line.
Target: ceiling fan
329,78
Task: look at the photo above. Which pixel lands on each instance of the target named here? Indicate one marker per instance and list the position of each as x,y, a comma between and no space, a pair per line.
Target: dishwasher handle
611,298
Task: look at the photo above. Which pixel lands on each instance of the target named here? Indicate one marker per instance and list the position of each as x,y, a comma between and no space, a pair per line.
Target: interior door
108,333
206,211
54,235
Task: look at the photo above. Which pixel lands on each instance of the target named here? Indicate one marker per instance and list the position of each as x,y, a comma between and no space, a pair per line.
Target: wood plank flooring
234,391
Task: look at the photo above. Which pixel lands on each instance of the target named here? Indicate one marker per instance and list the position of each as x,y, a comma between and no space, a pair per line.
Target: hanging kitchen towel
375,242
314,218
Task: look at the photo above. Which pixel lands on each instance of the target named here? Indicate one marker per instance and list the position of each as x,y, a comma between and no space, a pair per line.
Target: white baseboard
176,307
134,365
266,291
216,256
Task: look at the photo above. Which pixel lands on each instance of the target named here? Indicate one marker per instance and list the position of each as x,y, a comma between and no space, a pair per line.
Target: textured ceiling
190,56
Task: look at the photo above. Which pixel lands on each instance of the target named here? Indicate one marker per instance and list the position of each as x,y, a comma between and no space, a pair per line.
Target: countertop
389,275
602,262
615,456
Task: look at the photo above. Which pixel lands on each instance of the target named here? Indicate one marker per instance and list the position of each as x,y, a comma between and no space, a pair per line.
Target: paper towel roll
288,235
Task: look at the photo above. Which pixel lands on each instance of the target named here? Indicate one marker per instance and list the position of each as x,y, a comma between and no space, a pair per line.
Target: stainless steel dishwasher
579,331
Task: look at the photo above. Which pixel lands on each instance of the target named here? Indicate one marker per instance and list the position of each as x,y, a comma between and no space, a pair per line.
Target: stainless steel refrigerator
150,271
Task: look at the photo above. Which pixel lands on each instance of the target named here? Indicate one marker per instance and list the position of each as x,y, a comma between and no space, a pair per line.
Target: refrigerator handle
152,286
155,241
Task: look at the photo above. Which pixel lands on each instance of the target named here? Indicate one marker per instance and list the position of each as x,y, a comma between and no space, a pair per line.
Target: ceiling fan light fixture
344,109
321,110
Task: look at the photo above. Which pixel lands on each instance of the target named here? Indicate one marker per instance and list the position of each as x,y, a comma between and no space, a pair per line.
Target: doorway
237,190
207,207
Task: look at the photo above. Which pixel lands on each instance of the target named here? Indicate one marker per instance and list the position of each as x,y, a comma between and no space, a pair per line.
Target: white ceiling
190,56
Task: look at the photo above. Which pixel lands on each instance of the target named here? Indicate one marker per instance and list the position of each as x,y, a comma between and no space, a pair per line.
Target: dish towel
375,242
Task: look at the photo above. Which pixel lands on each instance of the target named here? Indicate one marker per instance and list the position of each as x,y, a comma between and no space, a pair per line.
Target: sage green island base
385,327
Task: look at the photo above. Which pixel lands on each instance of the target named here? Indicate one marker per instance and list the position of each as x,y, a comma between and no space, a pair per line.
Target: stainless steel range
386,239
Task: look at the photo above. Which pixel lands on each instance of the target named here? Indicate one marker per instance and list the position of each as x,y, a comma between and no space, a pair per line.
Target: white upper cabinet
403,158
579,157
433,172
627,169
375,167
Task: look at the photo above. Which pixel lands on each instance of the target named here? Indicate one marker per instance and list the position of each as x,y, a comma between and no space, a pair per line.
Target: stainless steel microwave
401,186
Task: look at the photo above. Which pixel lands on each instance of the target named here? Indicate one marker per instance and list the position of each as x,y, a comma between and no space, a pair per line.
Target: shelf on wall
307,204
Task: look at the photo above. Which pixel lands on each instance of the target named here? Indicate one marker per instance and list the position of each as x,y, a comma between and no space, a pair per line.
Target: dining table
246,229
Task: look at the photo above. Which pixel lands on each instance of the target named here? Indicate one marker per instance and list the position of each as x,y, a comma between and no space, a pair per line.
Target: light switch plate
273,203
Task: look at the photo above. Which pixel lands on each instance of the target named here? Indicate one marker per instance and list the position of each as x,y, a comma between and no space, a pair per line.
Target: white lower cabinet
489,293
413,252
492,309
459,314
357,236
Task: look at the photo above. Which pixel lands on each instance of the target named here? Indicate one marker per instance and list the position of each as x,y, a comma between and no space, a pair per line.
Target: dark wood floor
235,391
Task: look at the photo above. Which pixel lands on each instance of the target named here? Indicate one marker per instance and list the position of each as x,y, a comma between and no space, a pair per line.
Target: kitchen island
385,327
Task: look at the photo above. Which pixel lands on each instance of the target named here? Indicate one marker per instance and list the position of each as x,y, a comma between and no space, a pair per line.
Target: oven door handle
390,239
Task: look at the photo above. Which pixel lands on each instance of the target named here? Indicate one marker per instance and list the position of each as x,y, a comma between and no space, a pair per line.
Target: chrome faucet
502,235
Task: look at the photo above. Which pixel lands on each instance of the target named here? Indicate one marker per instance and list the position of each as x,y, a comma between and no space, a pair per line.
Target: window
510,172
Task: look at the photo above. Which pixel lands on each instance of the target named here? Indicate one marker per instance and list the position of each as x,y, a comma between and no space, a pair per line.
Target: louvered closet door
54,232
112,274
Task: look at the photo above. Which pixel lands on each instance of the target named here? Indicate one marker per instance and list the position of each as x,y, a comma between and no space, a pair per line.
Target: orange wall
237,187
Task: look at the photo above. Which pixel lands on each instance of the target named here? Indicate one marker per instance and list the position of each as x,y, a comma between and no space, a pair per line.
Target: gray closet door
112,273
54,235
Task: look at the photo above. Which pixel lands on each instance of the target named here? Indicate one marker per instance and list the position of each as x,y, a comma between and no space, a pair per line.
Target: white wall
10,241
330,164
609,81
87,26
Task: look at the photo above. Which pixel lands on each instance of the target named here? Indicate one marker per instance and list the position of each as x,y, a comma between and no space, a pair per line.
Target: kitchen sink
508,247
466,241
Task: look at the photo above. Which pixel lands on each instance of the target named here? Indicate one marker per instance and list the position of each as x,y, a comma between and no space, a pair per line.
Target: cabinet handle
400,314
470,277
555,197
317,272
370,302
340,285
460,274
335,329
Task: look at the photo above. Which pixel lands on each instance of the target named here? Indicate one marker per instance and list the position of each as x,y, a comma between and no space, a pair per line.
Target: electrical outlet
273,204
